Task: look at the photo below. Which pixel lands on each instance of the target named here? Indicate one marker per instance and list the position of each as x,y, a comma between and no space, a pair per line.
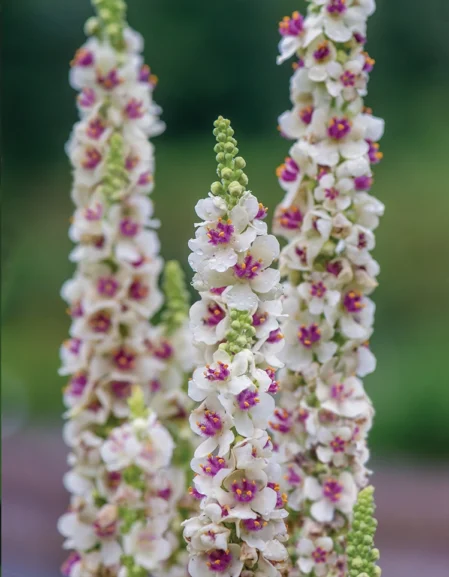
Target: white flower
146,544
208,320
330,495
314,555
320,56
344,396
319,296
121,448
306,337
211,421
334,445
221,562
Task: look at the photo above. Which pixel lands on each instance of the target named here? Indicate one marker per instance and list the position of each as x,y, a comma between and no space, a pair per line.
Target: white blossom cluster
235,327
327,218
123,496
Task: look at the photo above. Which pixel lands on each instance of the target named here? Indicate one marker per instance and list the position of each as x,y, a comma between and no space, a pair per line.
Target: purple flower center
249,268
107,285
292,26
221,373
281,499
110,81
347,78
363,182
353,302
69,563
132,160
124,359
338,444
338,128
218,290
164,350
288,172
332,490
318,290
339,392
275,336
219,560
100,322
319,555
77,384
92,158
359,38
83,58
113,479
301,253
322,52
138,291
369,63
336,7
254,525
103,531
334,268
155,386
129,227
222,234
247,399
165,493
305,114
134,109
211,424
74,345
274,385
95,128
86,98
262,212
244,491
145,178
293,478
310,335
283,422
291,218
121,389
93,214
259,319
195,494
215,316
213,465
374,154
76,310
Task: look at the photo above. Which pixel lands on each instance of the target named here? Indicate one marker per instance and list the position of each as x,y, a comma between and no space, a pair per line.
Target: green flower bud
136,403
361,554
176,297
111,21
116,180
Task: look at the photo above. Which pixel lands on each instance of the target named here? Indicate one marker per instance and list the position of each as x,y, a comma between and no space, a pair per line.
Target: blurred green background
219,58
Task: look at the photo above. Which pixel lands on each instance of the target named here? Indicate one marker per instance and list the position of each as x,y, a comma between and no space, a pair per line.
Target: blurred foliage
219,58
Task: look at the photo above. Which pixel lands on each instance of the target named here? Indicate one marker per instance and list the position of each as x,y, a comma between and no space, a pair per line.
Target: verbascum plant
327,219
125,488
241,522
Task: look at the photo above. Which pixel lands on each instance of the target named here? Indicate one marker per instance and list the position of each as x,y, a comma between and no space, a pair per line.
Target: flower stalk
236,332
124,488
327,219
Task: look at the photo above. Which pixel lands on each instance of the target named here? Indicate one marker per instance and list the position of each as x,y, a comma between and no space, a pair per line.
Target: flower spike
235,328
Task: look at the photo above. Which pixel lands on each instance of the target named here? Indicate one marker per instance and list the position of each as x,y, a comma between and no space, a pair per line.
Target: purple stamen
214,464
219,374
292,26
288,172
219,560
222,234
95,128
86,98
107,285
134,109
291,218
244,491
275,336
319,555
129,227
318,290
138,291
363,182
332,490
339,128
211,424
353,302
336,7
310,335
121,389
77,384
215,316
249,268
322,52
254,525
247,399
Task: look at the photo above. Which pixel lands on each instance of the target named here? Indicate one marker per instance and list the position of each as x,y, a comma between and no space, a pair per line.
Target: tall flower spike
327,218
362,555
236,331
125,490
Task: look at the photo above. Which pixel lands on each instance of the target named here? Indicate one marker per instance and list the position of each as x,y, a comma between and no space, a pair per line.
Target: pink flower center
124,359
121,389
219,560
100,322
369,63
259,319
86,98
83,58
218,290
92,158
301,253
69,563
110,81
338,128
281,498
332,490
305,114
310,335
274,385
105,530
138,291
107,285
339,392
220,373
77,384
334,268
347,78
374,154
319,555
254,525
293,478
262,212
244,491
145,178
284,421
129,227
275,336
331,193
164,351
95,128
132,160
338,445
363,182
222,234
